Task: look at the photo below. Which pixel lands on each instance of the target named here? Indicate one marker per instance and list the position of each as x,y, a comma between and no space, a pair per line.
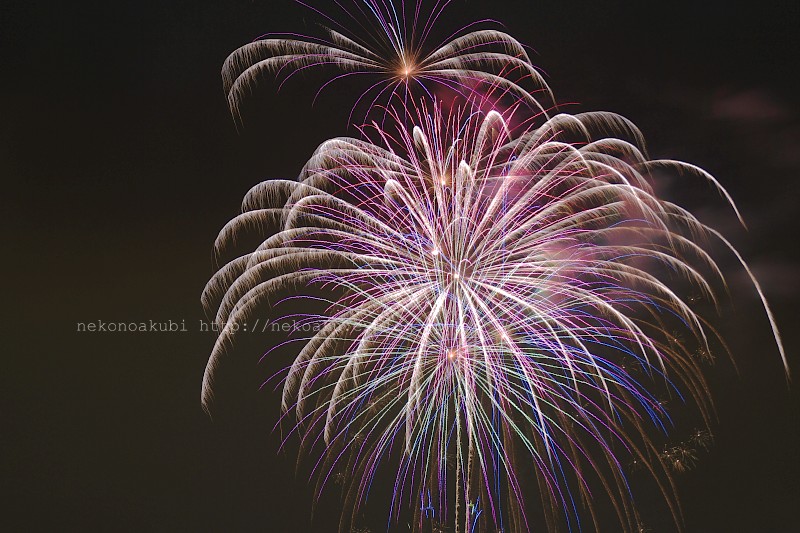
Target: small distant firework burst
702,438
499,302
680,458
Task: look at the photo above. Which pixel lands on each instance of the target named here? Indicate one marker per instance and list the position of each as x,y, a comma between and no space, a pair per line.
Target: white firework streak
501,293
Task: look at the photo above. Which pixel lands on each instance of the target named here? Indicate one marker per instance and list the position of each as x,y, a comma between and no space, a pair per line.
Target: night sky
120,163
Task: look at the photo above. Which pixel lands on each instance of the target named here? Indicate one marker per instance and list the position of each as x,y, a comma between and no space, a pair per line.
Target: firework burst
500,299
392,44
504,296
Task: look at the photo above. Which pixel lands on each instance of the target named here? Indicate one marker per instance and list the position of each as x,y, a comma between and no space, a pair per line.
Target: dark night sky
120,163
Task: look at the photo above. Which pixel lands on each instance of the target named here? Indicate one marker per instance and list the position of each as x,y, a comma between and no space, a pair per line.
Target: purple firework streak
500,290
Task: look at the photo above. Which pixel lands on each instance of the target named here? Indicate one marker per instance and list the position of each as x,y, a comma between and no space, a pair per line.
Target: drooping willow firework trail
502,291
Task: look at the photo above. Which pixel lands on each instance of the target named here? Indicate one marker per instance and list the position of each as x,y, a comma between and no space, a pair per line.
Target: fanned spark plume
392,44
500,298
